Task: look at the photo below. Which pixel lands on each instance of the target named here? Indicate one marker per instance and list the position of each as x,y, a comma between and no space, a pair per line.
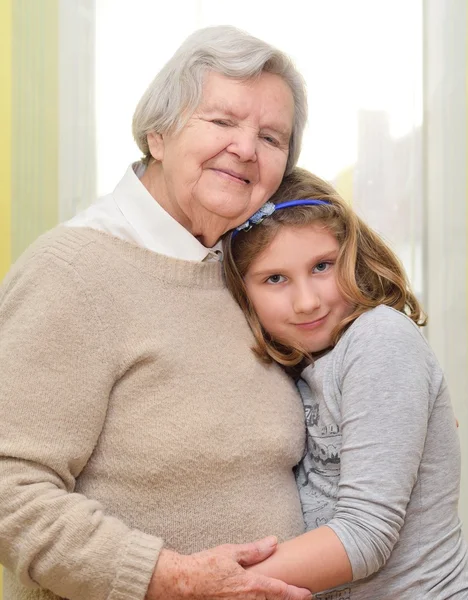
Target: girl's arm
382,385
315,560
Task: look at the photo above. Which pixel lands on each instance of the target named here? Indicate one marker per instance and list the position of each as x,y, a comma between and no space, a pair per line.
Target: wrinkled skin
218,574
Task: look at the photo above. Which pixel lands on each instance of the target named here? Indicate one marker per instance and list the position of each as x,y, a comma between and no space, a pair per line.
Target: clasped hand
218,574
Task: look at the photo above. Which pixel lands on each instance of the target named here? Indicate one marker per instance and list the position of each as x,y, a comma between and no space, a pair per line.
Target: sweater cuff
136,566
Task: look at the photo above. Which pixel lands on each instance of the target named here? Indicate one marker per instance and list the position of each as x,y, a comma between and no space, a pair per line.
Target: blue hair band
269,208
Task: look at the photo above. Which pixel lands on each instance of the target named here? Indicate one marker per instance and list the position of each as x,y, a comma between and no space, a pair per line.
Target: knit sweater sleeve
387,379
58,366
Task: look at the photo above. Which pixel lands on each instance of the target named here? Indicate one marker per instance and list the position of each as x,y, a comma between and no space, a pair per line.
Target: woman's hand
217,574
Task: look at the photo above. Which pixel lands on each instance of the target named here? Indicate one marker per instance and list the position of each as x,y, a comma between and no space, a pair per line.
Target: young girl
379,481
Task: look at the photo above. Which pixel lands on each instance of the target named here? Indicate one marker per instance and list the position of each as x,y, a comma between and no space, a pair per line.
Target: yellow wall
35,121
5,147
29,125
5,138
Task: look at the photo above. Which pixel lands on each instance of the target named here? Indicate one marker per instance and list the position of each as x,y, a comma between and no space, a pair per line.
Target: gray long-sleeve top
382,464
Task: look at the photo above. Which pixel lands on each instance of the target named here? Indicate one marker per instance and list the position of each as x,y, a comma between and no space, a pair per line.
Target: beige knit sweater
132,414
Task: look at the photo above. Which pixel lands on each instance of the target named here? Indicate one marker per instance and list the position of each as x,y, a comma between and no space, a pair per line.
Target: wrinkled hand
217,574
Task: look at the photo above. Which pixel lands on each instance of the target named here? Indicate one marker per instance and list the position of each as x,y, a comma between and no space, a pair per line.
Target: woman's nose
244,145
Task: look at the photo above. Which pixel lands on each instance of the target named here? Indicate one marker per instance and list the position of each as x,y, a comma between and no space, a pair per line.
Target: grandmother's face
229,158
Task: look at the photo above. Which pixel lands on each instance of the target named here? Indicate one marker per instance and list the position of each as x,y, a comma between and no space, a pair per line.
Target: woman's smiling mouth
232,175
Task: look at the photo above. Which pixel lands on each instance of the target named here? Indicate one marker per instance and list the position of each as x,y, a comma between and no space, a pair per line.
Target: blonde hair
177,89
368,271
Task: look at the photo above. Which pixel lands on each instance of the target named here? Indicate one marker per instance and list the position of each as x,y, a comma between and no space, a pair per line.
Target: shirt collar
157,230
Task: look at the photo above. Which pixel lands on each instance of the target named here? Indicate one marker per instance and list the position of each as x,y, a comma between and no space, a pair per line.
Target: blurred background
388,123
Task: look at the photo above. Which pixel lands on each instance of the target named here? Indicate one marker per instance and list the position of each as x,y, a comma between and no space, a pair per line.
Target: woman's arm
57,373
315,560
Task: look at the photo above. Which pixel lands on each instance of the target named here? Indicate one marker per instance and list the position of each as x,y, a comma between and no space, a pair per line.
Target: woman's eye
221,122
321,267
275,279
270,140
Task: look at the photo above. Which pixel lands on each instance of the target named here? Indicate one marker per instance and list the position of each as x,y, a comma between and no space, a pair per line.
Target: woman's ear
156,145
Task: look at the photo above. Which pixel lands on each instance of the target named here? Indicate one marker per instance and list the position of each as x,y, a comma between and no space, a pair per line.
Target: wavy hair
368,272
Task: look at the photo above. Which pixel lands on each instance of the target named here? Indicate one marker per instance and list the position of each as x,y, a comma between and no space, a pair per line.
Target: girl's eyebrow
330,255
326,256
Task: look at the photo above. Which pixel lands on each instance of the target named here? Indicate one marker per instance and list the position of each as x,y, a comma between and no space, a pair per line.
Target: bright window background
362,62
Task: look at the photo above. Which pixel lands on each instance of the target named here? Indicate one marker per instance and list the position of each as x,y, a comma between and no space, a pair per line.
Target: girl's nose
306,299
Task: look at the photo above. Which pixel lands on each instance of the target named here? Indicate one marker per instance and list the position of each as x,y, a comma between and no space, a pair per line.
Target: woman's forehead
268,95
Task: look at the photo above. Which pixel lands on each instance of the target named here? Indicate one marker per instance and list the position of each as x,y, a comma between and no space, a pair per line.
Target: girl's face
292,287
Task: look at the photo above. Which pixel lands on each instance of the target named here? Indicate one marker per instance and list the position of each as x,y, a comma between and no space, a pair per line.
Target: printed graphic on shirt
344,594
318,473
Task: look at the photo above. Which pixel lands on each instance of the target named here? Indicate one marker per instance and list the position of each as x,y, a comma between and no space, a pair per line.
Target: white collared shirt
133,215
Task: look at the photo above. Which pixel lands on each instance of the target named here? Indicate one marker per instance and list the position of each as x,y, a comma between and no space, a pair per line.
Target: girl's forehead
295,243
313,234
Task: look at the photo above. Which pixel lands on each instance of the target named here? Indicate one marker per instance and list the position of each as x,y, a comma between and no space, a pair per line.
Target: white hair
177,89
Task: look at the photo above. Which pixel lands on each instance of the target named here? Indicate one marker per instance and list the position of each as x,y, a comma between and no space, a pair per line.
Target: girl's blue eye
321,267
275,279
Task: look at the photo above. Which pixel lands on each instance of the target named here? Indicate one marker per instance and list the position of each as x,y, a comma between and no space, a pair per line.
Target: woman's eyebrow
219,107
282,129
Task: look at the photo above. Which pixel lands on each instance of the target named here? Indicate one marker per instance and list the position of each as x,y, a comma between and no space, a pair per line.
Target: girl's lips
311,324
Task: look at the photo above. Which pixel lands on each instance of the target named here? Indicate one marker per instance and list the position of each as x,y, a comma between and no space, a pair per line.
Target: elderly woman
137,428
